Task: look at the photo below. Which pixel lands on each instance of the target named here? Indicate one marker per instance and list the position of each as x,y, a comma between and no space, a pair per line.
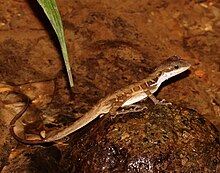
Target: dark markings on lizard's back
136,88
144,85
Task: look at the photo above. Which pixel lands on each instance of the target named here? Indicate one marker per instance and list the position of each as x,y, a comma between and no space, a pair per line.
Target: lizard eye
176,66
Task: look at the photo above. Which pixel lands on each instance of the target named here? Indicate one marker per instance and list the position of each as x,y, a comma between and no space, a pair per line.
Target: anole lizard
121,98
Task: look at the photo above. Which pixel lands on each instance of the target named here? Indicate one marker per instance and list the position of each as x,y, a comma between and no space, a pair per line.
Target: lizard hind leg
131,109
114,108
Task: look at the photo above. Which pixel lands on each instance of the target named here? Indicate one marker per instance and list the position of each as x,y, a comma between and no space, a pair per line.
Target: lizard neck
155,81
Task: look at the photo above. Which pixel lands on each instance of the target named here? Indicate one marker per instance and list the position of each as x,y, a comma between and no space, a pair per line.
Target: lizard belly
134,99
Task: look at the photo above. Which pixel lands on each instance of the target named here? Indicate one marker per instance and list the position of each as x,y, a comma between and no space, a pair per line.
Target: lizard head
170,67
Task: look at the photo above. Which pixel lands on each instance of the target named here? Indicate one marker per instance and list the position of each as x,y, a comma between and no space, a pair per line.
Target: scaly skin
121,98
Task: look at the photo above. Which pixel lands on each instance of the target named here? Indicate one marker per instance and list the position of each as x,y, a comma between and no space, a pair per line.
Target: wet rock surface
162,139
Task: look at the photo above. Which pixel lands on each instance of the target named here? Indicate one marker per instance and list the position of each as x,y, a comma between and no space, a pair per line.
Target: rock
161,139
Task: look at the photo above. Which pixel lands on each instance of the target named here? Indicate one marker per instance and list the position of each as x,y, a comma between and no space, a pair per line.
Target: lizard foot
164,103
131,108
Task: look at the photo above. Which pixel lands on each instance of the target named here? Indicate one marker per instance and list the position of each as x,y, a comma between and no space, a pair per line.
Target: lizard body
123,97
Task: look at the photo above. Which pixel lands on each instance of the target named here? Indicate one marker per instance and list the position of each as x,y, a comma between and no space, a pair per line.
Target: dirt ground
111,44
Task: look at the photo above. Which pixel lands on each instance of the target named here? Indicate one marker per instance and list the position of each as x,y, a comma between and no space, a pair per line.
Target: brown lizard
121,98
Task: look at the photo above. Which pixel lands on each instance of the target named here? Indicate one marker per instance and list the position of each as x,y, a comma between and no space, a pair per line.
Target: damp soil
111,44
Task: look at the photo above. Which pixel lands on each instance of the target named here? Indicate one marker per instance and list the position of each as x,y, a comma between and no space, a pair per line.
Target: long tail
17,116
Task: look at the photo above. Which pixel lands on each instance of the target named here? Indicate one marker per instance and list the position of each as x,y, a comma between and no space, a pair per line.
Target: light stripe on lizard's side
121,98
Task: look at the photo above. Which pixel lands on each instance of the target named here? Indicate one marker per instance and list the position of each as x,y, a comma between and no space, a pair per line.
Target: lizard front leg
155,100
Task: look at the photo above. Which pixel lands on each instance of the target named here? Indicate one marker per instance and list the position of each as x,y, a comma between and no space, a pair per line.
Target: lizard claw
164,103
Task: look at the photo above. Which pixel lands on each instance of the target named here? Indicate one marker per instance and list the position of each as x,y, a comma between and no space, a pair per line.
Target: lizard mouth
176,72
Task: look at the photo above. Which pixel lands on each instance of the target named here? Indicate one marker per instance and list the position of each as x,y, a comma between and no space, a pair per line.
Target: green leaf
51,10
